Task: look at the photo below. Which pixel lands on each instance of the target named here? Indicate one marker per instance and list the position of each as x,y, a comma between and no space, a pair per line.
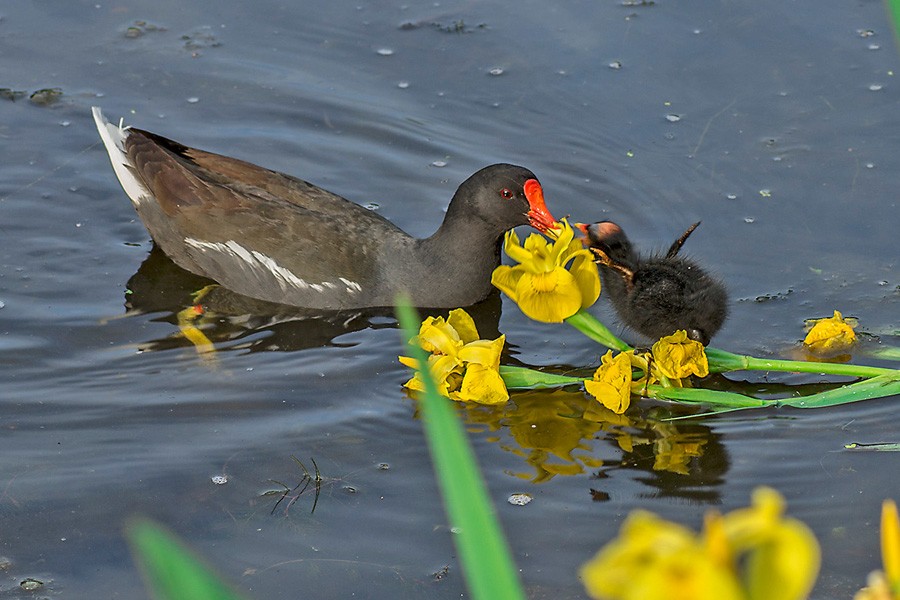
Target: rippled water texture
774,123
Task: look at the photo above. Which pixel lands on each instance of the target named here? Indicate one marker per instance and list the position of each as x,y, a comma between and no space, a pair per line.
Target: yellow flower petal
483,385
785,566
715,539
506,278
415,383
675,356
441,367
463,324
831,335
687,576
612,382
890,542
436,336
548,297
514,249
642,540
782,554
483,352
408,361
584,269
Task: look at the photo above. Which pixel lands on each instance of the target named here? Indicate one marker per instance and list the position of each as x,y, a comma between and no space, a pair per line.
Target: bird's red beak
538,215
583,228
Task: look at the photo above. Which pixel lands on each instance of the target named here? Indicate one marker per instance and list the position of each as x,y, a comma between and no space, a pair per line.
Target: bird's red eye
506,193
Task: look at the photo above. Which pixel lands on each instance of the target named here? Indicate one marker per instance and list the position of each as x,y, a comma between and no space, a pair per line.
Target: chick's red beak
538,215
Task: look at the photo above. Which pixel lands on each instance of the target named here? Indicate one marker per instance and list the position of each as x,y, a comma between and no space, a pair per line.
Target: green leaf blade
171,570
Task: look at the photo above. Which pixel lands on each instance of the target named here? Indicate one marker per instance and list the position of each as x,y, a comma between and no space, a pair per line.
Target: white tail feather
114,139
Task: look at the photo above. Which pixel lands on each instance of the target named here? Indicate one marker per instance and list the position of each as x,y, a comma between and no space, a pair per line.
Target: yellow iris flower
612,382
553,280
886,585
749,554
465,368
654,559
676,357
832,335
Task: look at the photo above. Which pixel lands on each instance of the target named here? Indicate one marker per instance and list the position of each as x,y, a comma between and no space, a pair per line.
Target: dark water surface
775,123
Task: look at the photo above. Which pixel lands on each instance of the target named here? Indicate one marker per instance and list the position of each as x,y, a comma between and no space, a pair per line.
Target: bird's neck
462,256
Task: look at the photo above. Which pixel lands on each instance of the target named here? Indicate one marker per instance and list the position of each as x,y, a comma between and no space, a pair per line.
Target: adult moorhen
274,237
657,295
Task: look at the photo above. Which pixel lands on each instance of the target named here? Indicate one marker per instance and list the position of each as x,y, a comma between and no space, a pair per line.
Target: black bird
274,237
657,295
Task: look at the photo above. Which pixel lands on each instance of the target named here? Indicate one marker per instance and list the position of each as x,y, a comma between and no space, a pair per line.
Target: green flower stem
590,326
709,397
519,378
721,361
523,378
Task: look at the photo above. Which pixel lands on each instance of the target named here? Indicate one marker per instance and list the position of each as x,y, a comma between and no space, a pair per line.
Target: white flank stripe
260,263
114,139
352,286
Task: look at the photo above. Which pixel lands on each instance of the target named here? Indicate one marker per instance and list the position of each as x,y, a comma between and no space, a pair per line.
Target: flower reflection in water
565,433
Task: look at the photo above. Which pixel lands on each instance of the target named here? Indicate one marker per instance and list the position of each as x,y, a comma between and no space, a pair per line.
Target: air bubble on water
520,499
